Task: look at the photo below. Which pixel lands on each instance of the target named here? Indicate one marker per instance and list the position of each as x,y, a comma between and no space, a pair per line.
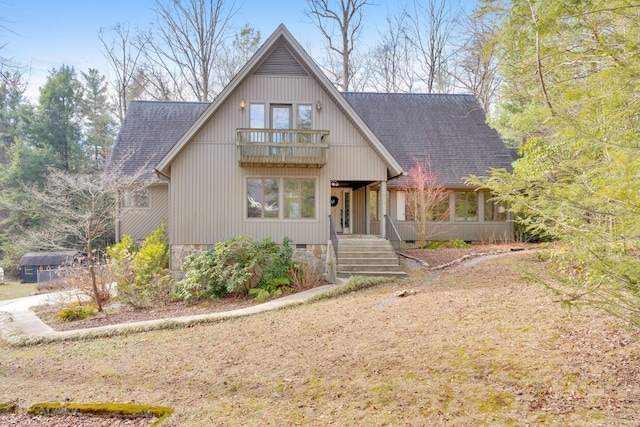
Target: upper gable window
256,116
257,121
136,199
303,122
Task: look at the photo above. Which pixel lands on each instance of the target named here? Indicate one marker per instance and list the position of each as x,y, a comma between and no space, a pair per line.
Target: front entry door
341,209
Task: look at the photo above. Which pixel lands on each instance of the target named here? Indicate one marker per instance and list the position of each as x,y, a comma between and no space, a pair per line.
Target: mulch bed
116,313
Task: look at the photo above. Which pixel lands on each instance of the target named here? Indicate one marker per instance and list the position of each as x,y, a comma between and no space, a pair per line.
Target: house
281,152
38,266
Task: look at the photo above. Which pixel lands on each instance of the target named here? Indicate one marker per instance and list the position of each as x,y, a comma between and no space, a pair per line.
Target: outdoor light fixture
335,184
243,104
318,106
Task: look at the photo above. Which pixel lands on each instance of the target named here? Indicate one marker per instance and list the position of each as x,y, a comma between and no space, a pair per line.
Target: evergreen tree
99,123
571,94
58,118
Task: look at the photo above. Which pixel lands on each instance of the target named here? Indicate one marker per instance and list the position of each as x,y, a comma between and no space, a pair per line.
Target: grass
12,290
475,346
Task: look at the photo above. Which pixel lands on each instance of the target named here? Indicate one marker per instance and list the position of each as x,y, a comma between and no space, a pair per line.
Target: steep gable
280,53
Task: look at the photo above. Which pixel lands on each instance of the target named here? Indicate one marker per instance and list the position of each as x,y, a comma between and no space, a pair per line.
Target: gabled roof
148,131
450,130
280,36
48,258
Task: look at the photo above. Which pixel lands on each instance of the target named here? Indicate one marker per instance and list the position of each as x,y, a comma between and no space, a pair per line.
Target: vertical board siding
471,231
359,212
281,62
208,186
139,223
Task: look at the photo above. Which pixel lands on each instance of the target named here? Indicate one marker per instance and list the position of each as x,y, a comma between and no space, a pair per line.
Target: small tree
424,197
80,213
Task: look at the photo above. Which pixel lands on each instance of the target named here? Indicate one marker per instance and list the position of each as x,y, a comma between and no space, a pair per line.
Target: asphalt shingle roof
148,131
450,129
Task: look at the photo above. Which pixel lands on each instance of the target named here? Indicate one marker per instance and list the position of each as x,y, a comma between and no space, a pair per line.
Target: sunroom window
494,210
466,206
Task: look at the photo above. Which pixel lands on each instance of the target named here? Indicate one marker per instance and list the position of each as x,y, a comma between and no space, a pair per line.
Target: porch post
383,208
367,216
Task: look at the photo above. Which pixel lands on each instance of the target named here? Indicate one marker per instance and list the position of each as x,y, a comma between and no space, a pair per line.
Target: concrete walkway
21,325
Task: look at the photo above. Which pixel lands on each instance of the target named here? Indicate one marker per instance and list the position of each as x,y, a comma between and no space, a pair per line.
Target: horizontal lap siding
139,223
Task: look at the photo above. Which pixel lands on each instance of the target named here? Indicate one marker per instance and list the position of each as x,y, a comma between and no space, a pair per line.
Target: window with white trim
136,199
263,197
297,196
466,208
494,211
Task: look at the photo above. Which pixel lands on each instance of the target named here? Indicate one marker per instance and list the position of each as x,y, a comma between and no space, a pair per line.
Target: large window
136,199
298,196
438,213
466,206
493,210
262,198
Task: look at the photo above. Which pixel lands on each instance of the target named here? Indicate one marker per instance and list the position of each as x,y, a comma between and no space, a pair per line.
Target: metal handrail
333,236
392,235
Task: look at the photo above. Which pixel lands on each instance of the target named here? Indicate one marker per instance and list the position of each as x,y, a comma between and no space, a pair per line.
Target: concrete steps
367,256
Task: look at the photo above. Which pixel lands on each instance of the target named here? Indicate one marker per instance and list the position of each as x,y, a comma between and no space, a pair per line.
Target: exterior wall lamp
318,106
243,104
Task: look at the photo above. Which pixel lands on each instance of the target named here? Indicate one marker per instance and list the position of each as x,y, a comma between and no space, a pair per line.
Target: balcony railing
282,147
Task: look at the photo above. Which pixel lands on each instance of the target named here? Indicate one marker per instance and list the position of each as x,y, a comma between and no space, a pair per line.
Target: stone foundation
313,254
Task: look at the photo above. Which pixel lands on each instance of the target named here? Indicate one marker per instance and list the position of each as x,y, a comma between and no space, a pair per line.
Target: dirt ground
115,313
473,344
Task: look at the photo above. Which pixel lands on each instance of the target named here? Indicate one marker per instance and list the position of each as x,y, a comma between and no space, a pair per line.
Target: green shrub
457,244
239,264
451,244
75,311
142,275
121,265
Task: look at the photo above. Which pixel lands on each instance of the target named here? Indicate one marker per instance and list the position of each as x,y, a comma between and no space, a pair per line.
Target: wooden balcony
282,147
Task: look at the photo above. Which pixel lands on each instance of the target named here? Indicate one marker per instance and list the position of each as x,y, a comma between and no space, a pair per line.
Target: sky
46,34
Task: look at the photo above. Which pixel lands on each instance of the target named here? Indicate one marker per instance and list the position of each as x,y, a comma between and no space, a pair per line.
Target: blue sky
45,34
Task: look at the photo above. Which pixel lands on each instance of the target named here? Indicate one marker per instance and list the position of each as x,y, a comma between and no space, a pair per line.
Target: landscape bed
475,344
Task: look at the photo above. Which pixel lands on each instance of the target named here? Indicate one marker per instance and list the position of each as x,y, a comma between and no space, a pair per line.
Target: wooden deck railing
274,147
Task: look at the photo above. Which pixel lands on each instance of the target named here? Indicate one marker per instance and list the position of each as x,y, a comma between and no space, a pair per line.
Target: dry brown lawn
476,345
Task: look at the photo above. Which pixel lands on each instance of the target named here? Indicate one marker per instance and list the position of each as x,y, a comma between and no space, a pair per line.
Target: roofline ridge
157,101
406,93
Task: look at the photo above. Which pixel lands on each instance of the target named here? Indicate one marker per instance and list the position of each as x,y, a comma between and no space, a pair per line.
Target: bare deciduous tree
79,210
476,62
433,24
232,57
391,61
186,43
425,195
123,55
345,19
